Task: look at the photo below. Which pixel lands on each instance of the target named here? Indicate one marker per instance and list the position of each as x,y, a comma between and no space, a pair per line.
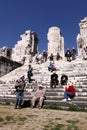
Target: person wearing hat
54,79
69,92
19,86
39,96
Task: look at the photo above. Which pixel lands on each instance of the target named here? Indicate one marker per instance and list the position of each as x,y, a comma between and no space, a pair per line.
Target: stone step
77,104
76,98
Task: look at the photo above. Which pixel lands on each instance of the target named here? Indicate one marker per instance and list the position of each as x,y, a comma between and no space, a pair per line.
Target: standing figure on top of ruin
68,55
84,53
73,53
44,56
58,56
51,57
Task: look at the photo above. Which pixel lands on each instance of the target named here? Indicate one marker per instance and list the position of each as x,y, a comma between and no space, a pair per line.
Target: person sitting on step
39,96
54,80
51,67
64,79
69,92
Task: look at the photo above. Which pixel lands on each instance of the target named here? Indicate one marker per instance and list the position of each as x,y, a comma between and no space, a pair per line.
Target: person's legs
51,84
21,96
34,101
68,95
41,100
17,99
29,78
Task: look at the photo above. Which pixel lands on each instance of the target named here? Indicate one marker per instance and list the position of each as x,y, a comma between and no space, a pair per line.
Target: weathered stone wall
82,36
27,46
55,41
5,52
7,65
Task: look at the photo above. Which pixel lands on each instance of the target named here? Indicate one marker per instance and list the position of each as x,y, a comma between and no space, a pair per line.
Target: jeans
68,95
19,98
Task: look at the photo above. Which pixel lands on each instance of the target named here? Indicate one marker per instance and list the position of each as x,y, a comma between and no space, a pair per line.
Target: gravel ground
41,119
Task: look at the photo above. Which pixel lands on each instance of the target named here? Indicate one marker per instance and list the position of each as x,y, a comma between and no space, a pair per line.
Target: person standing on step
73,53
39,96
30,73
51,58
68,55
20,87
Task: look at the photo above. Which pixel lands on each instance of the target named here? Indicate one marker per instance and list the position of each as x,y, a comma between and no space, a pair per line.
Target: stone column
82,36
55,41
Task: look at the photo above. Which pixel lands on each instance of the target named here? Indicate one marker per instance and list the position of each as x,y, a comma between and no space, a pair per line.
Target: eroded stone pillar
82,36
55,41
26,47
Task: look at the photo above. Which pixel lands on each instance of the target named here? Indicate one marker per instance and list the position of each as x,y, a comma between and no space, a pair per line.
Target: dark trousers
53,83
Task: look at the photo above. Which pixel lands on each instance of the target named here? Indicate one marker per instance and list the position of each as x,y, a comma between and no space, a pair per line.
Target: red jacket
71,89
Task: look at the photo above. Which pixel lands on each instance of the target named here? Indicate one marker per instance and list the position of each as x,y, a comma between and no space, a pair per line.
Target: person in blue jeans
19,86
69,92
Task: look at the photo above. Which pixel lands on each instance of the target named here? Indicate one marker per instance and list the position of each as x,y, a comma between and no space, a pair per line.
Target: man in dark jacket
64,79
68,55
54,80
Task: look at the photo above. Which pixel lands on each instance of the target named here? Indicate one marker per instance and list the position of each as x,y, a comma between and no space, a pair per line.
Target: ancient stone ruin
23,52
82,36
26,47
55,41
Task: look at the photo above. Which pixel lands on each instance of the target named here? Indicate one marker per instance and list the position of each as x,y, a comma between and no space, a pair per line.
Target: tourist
44,56
64,79
58,56
69,92
54,80
39,96
51,57
51,67
68,55
20,87
84,53
73,53
30,73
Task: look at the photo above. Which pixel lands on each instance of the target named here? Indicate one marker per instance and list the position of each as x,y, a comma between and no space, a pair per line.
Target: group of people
69,89
70,54
39,95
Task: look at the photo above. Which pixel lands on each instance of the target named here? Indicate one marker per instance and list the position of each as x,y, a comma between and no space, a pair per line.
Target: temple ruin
23,52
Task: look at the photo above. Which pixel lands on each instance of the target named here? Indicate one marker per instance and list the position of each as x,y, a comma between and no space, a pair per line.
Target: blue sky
17,16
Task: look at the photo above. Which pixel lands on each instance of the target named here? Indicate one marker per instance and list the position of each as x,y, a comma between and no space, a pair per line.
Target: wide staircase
76,71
